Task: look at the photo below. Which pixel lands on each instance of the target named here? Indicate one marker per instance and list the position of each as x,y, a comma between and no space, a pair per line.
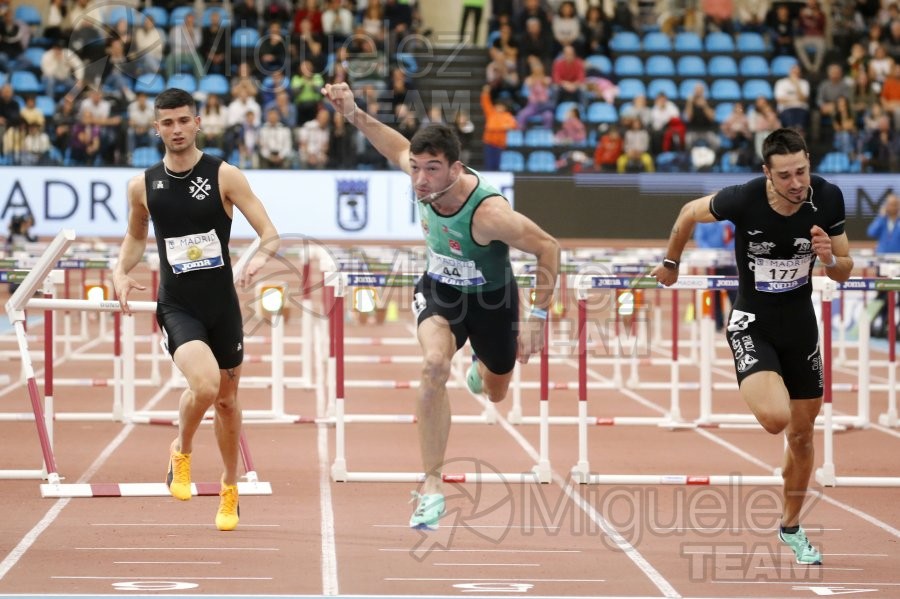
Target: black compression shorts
221,328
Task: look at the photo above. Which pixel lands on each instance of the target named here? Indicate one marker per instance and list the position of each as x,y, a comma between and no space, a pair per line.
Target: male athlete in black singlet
190,197
784,222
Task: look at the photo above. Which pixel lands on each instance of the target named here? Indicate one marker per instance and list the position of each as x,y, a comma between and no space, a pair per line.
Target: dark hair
437,140
783,141
174,98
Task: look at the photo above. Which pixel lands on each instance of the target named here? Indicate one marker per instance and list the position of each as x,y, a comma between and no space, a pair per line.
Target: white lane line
326,528
495,579
790,568
507,564
735,529
176,524
440,550
177,549
164,577
784,552
867,584
470,526
179,563
861,514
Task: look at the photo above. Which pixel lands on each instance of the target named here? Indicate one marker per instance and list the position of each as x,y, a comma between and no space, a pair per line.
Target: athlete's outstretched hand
666,276
821,244
531,337
341,97
123,284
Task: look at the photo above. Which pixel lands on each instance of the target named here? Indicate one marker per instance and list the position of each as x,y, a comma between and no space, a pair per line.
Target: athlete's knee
205,391
800,440
435,368
774,421
226,403
496,386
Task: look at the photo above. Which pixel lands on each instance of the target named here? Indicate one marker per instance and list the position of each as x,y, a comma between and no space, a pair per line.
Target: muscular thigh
220,329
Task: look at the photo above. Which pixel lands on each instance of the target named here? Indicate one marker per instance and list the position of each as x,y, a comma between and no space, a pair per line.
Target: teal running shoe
802,548
429,510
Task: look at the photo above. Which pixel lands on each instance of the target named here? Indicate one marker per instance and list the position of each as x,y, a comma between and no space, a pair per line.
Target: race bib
778,276
194,252
453,271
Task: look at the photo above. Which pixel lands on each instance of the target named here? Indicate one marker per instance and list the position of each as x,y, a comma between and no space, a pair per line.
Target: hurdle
826,475
338,283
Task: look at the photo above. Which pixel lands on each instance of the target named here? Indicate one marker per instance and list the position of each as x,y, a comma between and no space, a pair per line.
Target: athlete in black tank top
190,198
784,223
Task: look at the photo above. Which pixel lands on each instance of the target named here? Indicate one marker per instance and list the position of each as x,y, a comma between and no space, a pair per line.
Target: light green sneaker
428,511
802,548
473,379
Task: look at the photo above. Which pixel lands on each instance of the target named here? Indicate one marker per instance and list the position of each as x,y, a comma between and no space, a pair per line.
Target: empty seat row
692,65
717,42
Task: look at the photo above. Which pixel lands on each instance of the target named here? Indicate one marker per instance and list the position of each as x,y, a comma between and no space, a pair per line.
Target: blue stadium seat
753,88
781,65
244,37
662,85
3,78
754,66
835,162
25,82
33,55
628,66
630,88
542,161
750,42
691,66
29,15
150,84
725,90
214,151
512,161
145,156
659,66
224,15
159,15
601,112
723,111
514,138
600,63
176,17
563,109
213,84
184,81
625,42
686,88
117,13
656,41
727,165
688,42
719,42
46,105
722,66
540,137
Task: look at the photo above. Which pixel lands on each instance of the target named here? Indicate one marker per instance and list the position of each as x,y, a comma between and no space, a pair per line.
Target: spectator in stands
635,156
792,98
36,146
465,131
407,121
236,117
13,136
63,122
367,63
538,93
498,120
306,87
700,120
56,22
572,131
885,229
880,66
273,51
882,149
569,76
874,38
502,75
597,31
751,15
341,144
890,95
119,73
14,38
84,142
863,95
625,16
216,45
185,41
568,28
274,143
287,111
337,22
857,60
313,139
372,24
667,130
847,28
506,42
736,129
892,40
811,25
719,15
140,124
10,112
271,85
61,70
831,88
244,14
401,90
502,12
531,9
536,41
474,9
609,148
101,115
248,140
637,109
763,120
435,116
783,32
245,79
147,47
30,113
399,17
846,131
213,122
309,12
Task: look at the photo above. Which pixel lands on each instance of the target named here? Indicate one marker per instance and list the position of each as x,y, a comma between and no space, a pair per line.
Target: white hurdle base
418,477
145,489
679,479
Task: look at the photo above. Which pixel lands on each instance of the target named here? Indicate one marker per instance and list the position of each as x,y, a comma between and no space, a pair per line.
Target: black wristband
670,264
